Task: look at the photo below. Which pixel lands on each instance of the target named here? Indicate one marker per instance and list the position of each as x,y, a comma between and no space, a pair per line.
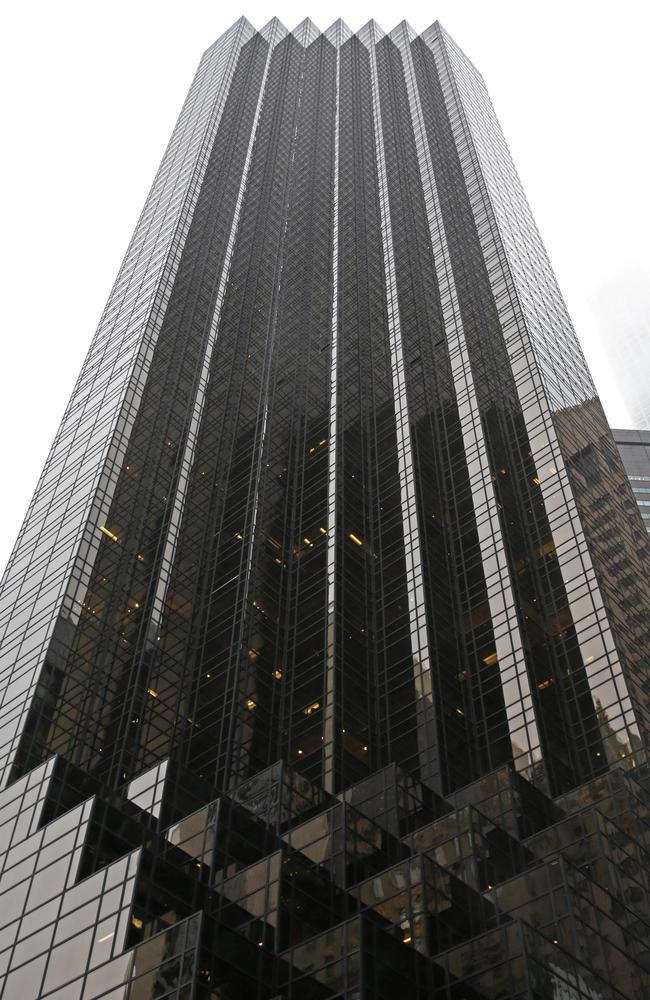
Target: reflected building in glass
324,668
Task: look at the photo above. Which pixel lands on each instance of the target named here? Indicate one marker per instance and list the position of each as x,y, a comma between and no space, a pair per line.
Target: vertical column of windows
565,712
468,696
337,34
221,562
577,463
501,679
292,544
50,569
406,696
92,701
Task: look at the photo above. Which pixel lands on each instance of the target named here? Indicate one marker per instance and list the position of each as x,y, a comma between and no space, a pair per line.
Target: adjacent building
324,668
634,447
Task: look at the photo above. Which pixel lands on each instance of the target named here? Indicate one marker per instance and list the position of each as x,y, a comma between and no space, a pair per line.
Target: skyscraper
634,447
324,663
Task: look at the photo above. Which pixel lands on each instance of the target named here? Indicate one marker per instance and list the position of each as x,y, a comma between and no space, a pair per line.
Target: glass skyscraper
324,665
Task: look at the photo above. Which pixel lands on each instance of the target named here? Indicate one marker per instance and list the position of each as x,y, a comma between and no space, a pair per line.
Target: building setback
324,664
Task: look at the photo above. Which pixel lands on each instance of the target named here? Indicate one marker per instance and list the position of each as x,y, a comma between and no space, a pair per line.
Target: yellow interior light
277,674
250,704
355,539
312,708
323,531
490,660
460,711
545,683
136,922
239,535
538,482
109,533
154,694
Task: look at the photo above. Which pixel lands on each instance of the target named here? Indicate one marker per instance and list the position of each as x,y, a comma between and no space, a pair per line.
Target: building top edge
631,435
338,32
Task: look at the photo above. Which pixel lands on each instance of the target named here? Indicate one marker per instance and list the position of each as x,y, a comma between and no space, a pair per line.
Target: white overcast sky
90,92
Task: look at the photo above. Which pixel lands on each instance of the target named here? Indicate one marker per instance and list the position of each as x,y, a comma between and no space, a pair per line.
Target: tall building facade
324,667
634,447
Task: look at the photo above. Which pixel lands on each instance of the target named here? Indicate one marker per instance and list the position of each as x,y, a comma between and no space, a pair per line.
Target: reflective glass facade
324,664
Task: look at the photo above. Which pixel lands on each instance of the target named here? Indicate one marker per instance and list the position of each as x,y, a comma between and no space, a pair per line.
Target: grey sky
90,93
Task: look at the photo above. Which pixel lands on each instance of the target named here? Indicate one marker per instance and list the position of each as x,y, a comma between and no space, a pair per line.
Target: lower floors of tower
281,890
